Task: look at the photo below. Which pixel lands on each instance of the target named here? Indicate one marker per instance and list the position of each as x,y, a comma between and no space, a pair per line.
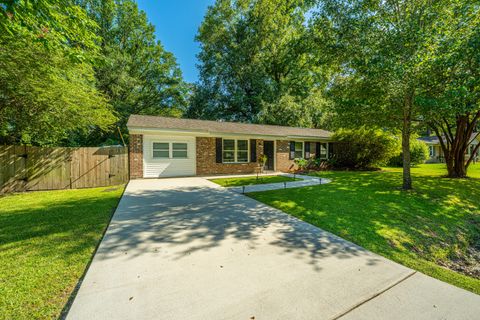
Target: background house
436,153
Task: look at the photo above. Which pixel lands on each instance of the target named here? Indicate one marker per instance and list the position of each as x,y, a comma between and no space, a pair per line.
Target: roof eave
153,130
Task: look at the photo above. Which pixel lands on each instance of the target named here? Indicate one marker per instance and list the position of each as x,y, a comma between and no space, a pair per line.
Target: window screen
179,150
228,150
161,150
242,150
298,150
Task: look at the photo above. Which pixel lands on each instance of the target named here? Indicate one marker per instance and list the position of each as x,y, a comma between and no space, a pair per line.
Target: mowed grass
46,241
438,170
434,229
245,181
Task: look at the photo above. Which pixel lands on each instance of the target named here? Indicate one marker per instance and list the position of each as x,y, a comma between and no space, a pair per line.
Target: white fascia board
307,139
153,131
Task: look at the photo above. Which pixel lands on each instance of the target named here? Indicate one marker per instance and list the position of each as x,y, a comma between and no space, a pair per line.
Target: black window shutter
317,150
253,150
307,150
330,150
292,150
218,150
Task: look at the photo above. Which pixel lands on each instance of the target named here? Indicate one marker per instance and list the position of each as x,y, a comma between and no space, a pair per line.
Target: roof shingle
155,122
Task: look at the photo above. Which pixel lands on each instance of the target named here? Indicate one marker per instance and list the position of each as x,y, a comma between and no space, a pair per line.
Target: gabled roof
433,140
222,127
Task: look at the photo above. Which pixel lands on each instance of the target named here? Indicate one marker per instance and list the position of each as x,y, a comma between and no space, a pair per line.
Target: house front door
269,152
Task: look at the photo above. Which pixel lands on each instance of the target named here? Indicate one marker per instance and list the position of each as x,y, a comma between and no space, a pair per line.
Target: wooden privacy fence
35,168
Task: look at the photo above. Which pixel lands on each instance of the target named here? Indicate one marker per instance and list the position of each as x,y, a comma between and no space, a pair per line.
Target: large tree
136,73
451,89
47,88
384,46
256,64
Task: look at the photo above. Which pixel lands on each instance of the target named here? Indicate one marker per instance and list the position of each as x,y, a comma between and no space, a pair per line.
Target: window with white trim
323,151
161,150
168,150
179,150
298,150
234,151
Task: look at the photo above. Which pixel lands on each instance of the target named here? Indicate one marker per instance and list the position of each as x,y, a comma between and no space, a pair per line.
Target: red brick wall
206,159
136,156
283,164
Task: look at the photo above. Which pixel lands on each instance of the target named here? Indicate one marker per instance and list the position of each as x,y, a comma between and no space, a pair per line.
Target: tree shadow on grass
70,225
46,241
437,221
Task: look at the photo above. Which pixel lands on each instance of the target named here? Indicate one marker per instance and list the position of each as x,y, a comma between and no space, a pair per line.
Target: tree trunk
459,169
407,178
458,138
450,164
406,128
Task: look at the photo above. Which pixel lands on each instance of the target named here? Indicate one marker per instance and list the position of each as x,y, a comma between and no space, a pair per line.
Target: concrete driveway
187,249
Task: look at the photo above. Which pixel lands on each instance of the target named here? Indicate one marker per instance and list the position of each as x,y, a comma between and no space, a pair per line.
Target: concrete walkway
189,249
305,181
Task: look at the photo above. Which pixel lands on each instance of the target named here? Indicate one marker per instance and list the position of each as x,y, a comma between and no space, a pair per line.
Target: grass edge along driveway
47,239
247,181
433,229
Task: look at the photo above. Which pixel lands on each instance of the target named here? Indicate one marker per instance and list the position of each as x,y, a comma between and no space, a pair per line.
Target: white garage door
168,156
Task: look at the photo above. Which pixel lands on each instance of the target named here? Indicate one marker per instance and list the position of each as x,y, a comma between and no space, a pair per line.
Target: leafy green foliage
302,163
433,229
419,153
363,148
47,87
70,70
384,47
135,72
56,24
256,64
450,92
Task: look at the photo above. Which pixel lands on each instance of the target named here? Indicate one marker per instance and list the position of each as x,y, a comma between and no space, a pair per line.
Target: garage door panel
170,167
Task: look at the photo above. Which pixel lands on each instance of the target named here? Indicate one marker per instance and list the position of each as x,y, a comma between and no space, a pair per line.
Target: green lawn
46,241
245,181
437,169
434,229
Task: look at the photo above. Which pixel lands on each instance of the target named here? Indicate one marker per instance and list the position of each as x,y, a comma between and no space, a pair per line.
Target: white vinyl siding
168,156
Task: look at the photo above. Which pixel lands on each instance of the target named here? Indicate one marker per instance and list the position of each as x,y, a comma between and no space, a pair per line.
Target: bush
302,163
363,148
418,153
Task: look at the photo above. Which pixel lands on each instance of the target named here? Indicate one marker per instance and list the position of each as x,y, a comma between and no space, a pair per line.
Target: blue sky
176,23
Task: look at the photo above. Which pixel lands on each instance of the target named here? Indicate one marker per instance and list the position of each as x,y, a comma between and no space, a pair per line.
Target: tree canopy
256,64
385,48
450,95
136,73
47,84
72,71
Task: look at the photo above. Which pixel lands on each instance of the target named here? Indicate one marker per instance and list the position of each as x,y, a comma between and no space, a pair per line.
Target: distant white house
436,153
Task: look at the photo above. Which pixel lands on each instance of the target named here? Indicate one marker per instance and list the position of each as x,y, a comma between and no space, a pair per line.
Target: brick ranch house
171,147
